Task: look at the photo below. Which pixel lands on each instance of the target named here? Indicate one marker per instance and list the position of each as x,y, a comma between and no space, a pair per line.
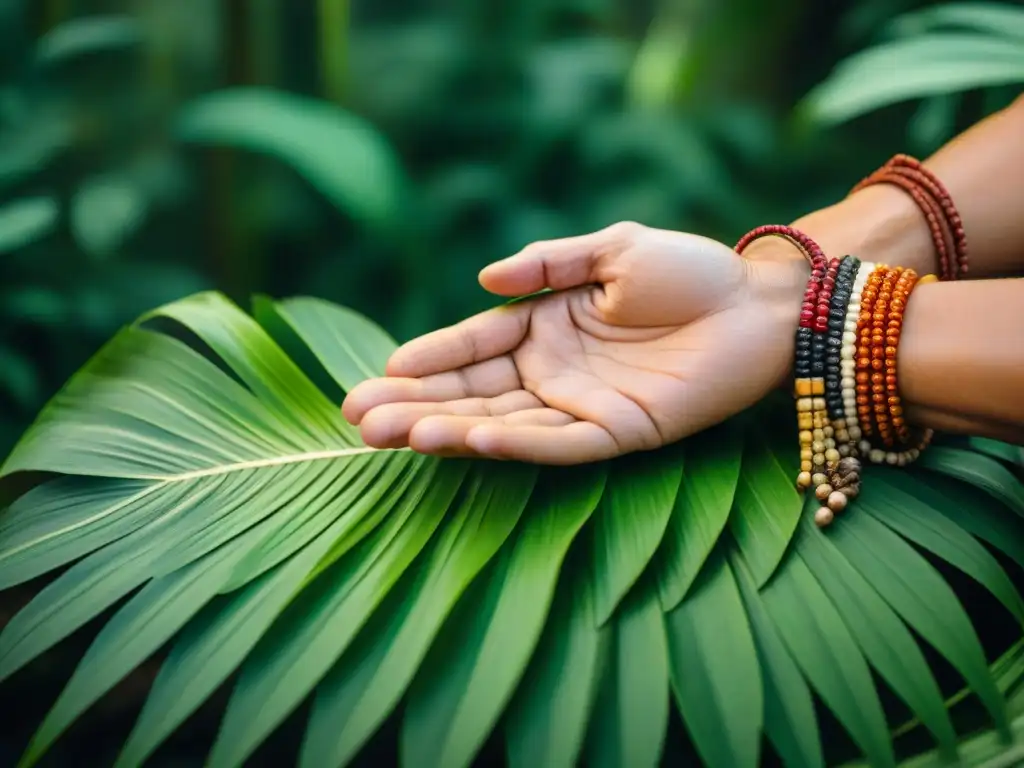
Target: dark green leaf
789,718
821,644
929,528
370,678
884,639
477,661
547,719
630,522
767,508
630,717
716,677
710,476
981,471
918,594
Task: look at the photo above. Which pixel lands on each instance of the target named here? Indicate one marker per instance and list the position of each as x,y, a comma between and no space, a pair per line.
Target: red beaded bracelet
935,204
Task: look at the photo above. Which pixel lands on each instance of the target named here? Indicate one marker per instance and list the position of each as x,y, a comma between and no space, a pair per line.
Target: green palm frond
197,478
930,53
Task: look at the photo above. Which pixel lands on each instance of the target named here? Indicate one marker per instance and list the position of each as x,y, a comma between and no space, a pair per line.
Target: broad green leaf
101,579
1011,454
767,508
257,360
715,674
631,521
884,639
358,495
218,640
301,647
918,594
1000,19
351,347
926,65
821,644
547,720
981,471
360,172
367,682
64,519
789,718
24,221
631,712
710,475
91,34
968,507
139,629
929,528
148,407
474,666
211,647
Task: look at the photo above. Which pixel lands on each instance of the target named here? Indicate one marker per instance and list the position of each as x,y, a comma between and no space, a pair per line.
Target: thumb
557,264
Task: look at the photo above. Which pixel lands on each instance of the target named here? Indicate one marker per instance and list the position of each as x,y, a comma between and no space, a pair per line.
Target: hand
652,336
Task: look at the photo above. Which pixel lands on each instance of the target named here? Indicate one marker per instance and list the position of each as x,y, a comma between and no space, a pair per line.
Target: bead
876,455
832,455
819,458
804,480
823,491
818,478
837,501
824,516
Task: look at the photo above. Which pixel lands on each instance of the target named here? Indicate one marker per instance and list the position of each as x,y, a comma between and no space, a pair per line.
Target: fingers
573,443
389,426
557,264
482,380
474,340
447,435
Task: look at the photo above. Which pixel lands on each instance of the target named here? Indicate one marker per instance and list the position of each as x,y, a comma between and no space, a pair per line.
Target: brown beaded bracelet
935,204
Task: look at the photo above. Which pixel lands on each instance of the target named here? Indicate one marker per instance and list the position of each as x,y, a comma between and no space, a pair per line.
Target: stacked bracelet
935,204
846,388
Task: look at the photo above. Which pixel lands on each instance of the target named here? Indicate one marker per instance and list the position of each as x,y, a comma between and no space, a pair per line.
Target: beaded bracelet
845,387
879,407
934,202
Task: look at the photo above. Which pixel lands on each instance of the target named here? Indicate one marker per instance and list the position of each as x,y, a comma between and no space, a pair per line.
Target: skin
653,335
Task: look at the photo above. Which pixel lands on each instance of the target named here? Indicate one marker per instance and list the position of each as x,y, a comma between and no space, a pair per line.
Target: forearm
961,358
982,169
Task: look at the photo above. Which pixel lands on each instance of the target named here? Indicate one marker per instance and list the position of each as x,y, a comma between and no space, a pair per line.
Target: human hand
651,336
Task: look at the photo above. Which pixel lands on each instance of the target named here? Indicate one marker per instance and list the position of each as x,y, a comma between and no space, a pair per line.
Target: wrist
879,223
777,275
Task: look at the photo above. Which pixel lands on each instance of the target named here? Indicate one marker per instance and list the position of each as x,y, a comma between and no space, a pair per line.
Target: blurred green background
379,152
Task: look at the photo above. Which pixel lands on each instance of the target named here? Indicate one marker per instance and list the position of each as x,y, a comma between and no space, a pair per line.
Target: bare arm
961,358
983,170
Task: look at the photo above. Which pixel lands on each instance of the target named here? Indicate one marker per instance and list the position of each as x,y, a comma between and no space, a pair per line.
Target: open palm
650,336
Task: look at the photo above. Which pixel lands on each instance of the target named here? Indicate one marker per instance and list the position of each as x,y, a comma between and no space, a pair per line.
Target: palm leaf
933,52
198,472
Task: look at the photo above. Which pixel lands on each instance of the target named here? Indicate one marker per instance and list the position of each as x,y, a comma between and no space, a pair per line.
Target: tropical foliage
191,509
205,488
